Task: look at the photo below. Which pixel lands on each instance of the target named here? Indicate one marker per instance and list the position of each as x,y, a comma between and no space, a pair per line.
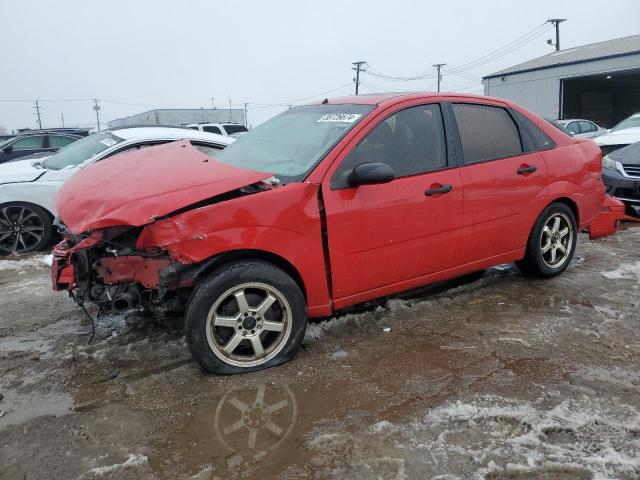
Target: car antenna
325,101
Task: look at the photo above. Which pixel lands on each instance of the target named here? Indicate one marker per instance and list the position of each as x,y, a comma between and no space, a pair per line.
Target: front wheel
552,242
247,316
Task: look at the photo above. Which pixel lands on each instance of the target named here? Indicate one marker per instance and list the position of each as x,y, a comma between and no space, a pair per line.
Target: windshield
628,123
231,129
292,143
77,152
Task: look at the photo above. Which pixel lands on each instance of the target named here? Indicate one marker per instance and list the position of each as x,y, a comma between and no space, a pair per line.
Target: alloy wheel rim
249,324
21,229
557,240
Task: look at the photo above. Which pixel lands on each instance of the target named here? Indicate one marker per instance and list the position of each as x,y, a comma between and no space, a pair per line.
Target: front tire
247,316
24,227
552,242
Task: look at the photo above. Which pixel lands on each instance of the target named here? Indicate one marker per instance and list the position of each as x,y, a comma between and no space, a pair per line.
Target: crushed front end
106,269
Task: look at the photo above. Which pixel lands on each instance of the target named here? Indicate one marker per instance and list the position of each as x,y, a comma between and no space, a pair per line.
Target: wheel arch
218,261
571,204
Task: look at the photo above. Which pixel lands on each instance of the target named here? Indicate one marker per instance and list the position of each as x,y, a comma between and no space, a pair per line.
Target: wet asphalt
493,376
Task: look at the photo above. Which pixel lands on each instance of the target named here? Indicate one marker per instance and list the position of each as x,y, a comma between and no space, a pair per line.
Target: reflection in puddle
249,425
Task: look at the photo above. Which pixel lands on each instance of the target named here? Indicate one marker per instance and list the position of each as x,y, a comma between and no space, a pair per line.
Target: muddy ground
495,376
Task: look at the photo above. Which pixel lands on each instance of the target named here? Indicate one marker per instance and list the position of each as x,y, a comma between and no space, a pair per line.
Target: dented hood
137,187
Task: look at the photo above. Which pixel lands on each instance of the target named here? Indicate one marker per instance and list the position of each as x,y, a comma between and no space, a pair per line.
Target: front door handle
526,169
437,188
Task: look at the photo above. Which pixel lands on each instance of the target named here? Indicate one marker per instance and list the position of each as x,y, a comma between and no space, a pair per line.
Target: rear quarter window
538,140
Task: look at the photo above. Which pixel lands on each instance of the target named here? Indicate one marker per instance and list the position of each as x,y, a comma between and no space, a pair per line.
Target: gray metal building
181,116
599,82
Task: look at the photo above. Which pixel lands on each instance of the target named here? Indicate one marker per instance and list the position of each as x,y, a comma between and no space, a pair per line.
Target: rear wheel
24,227
248,316
552,242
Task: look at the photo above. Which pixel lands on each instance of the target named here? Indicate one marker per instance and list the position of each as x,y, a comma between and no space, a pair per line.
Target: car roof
168,133
567,120
378,98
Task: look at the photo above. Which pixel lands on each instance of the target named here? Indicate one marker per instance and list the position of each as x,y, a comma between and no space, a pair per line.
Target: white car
28,188
581,128
623,134
231,129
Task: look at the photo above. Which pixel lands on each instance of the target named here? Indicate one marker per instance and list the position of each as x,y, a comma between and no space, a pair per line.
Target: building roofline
562,64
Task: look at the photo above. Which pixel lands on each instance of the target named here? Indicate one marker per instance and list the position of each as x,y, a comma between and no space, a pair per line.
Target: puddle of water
21,407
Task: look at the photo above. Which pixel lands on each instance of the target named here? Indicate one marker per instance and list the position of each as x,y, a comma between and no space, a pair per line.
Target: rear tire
24,227
246,316
552,242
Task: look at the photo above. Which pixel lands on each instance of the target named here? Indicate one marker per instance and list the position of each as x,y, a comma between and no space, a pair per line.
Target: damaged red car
360,197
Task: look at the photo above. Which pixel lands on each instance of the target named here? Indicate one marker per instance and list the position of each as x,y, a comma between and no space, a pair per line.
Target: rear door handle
433,190
525,169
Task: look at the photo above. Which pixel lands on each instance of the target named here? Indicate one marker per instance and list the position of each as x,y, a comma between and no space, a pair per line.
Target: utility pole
62,118
37,107
96,107
213,106
229,110
358,68
556,23
438,67
246,123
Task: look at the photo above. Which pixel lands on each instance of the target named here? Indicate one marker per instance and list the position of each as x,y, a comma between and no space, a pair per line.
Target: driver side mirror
8,149
370,173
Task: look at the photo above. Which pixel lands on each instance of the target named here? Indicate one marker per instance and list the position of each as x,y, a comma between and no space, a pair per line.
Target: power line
489,57
508,48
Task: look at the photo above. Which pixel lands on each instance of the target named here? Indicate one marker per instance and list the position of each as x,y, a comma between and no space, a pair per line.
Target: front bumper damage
93,270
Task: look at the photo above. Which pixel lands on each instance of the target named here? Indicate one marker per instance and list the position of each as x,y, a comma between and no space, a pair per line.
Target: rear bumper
609,218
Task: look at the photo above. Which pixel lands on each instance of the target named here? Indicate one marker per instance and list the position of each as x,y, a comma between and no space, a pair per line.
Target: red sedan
322,207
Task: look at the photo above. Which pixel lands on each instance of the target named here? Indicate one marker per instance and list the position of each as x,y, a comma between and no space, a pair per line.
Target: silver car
582,128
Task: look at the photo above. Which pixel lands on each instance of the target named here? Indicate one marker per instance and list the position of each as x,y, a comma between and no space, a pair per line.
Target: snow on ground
624,271
34,261
133,460
494,438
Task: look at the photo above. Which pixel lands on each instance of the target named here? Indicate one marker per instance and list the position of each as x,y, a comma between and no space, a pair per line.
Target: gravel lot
494,376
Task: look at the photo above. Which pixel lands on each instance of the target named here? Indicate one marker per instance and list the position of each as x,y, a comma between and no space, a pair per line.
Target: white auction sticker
339,117
109,142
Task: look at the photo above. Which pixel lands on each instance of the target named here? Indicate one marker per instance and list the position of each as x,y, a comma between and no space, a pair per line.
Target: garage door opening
606,98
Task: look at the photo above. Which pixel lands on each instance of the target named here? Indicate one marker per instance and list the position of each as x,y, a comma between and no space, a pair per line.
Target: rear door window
587,127
573,127
32,142
486,132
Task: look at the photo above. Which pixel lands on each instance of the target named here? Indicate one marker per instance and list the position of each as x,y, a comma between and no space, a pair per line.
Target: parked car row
43,143
231,129
621,176
620,148
364,197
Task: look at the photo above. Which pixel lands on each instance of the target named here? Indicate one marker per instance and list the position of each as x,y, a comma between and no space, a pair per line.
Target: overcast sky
143,54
